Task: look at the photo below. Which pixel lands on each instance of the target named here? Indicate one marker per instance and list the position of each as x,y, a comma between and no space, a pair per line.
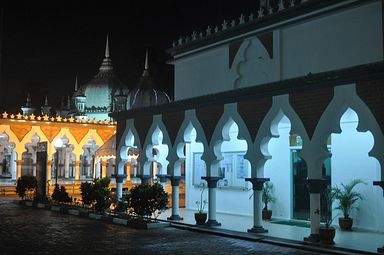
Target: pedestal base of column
212,223
313,238
257,229
175,217
380,250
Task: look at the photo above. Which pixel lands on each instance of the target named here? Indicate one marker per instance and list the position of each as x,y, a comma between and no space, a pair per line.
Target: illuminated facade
292,94
72,145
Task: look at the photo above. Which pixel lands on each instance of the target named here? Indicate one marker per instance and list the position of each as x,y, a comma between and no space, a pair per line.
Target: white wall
278,169
202,74
341,40
338,40
349,161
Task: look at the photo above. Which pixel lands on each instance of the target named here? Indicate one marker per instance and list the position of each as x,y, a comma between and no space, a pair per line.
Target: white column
257,208
257,186
212,204
212,185
314,209
119,189
175,181
66,162
77,170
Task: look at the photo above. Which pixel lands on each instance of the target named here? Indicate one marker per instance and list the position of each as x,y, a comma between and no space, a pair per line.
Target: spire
146,66
45,109
68,102
76,87
106,68
107,48
28,104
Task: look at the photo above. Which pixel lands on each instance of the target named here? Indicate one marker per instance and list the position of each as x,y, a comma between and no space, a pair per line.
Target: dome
146,93
99,91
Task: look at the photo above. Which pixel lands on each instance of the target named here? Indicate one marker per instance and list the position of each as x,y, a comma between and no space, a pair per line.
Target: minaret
46,109
79,99
27,109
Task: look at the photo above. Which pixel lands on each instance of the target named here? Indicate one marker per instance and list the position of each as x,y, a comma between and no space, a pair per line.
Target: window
198,168
234,169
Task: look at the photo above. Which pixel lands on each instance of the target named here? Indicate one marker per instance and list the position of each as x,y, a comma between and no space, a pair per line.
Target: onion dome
99,92
146,93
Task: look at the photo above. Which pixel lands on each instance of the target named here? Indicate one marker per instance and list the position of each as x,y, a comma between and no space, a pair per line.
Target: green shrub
102,193
87,194
147,200
26,186
97,194
60,195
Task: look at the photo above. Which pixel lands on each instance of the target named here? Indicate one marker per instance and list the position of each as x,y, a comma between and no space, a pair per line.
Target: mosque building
80,136
291,94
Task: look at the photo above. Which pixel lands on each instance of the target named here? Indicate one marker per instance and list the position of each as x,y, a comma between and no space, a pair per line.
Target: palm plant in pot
200,215
347,198
327,232
267,197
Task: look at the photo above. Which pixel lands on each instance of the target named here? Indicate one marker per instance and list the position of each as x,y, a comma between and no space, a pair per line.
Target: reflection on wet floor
36,231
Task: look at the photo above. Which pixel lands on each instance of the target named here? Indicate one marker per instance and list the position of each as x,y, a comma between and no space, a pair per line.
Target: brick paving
37,231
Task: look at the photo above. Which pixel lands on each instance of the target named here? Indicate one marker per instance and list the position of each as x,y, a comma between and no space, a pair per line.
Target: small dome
145,93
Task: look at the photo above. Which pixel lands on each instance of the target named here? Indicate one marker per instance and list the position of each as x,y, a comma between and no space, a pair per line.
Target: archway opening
233,191
350,160
195,168
7,160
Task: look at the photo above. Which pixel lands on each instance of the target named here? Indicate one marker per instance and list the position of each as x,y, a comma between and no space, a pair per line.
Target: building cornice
339,77
258,24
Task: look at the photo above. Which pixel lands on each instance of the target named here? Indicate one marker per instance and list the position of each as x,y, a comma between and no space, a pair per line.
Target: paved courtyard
37,231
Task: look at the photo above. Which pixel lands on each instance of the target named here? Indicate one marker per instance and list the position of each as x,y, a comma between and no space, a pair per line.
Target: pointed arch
176,154
268,130
151,141
130,138
221,132
345,97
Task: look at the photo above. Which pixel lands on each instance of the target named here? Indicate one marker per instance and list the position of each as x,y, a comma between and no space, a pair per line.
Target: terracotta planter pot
200,218
346,224
327,235
266,214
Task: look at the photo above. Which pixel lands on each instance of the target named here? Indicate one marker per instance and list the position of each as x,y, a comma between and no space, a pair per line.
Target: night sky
42,50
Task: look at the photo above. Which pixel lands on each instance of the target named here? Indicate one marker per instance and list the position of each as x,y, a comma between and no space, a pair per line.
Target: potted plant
327,232
347,198
267,197
200,215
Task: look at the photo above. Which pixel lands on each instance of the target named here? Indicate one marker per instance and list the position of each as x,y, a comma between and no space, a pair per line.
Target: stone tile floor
37,231
361,240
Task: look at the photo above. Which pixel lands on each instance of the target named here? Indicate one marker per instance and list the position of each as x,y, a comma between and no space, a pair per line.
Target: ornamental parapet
57,119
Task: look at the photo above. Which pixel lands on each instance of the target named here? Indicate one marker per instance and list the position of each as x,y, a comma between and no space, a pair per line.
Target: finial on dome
76,84
46,101
107,48
28,100
146,66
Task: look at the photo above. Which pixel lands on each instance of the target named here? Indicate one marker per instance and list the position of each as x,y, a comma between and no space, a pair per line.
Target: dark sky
42,50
